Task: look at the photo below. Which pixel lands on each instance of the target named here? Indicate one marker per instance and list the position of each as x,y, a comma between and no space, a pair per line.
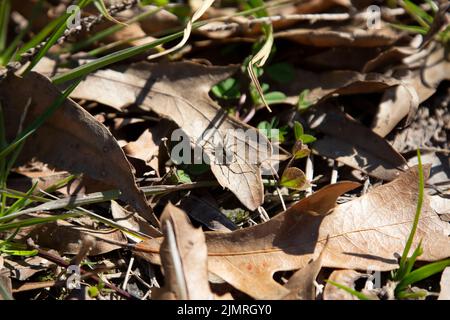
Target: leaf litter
98,181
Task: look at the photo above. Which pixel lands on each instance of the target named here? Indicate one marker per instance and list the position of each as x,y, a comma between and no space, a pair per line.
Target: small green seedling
271,132
227,89
294,178
303,103
300,134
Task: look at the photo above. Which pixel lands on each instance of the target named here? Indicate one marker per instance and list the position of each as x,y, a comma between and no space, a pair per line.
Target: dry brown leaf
325,37
179,91
21,268
248,258
445,285
441,204
322,85
428,68
144,148
385,59
67,238
5,282
184,258
147,146
353,144
344,277
341,58
367,232
301,283
71,139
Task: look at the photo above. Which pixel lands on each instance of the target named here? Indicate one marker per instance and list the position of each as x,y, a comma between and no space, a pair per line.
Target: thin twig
309,172
128,274
63,263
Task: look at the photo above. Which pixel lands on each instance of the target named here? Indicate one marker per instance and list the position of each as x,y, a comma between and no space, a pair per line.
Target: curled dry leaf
323,85
184,258
301,283
71,139
259,251
21,268
367,232
353,144
445,285
344,277
429,68
179,91
441,204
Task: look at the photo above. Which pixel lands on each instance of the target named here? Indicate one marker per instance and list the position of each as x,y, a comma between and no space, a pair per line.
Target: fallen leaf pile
188,171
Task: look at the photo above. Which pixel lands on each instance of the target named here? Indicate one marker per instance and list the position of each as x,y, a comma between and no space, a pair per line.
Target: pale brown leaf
367,232
322,85
301,284
353,144
179,91
184,258
445,285
71,139
344,277
428,68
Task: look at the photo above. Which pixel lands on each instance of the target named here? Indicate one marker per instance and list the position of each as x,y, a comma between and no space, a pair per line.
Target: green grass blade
109,31
55,36
14,194
35,221
357,294
39,121
13,46
110,46
5,9
98,197
434,7
112,58
422,273
412,260
403,266
410,29
421,294
101,6
420,15
130,52
44,33
21,203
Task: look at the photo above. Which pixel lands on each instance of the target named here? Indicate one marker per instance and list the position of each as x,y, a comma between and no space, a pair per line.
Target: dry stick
309,172
127,275
313,17
334,173
85,23
281,199
96,197
263,214
63,263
